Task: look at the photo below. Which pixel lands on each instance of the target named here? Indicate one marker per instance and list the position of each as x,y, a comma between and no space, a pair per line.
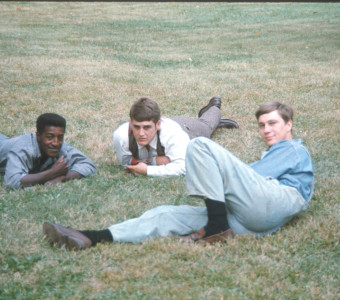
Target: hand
69,176
139,169
162,160
60,167
52,176
55,181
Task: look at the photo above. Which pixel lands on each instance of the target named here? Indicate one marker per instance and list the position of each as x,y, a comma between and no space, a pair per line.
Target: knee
196,144
202,147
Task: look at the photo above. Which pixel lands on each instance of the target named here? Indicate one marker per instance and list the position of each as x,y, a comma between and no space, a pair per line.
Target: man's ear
290,125
130,128
158,125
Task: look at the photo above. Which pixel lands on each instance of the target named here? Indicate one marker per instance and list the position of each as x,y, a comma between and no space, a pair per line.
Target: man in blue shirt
42,158
240,199
256,199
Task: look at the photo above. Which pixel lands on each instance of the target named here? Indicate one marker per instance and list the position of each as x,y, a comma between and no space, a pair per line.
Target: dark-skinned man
42,158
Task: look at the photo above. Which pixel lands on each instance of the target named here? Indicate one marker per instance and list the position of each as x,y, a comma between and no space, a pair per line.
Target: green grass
89,62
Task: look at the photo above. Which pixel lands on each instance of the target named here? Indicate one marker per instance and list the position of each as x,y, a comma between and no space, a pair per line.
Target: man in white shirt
155,146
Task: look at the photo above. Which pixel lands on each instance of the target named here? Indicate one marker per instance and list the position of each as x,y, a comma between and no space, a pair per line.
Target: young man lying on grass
155,146
239,199
42,158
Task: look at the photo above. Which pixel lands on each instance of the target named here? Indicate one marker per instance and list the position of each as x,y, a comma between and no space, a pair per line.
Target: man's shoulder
122,128
68,149
288,143
296,145
170,125
121,135
25,145
24,141
172,132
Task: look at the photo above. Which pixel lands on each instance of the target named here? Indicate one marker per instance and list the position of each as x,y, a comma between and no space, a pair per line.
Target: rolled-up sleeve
79,162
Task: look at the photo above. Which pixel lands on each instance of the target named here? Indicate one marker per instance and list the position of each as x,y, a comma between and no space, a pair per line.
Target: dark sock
217,217
98,236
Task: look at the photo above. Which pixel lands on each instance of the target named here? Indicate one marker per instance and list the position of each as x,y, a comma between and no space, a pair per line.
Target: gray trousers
204,126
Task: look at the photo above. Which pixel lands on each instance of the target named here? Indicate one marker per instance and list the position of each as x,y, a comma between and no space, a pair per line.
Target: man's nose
266,128
55,142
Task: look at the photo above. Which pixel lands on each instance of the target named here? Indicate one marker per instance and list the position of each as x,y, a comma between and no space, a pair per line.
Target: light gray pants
161,221
255,205
204,126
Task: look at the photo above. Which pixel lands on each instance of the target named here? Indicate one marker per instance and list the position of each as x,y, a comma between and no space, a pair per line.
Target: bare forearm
38,178
51,176
72,175
69,176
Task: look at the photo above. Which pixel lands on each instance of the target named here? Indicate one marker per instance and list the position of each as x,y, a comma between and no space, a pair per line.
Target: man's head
50,134
275,122
145,109
144,120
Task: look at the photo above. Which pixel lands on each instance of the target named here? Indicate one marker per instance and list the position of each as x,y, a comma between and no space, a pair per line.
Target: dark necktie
149,159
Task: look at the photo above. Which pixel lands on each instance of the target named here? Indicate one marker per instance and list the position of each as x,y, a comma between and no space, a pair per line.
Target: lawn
89,62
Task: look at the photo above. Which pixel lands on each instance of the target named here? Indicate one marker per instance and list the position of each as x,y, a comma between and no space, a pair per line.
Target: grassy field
89,62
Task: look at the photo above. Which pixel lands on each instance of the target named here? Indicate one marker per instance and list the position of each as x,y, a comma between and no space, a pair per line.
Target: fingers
140,168
62,159
131,170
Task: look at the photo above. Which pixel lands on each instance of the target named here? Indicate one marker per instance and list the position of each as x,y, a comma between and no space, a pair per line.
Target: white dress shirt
172,137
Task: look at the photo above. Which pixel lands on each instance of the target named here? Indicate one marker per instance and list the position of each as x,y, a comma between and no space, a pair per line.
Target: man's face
144,131
273,128
50,141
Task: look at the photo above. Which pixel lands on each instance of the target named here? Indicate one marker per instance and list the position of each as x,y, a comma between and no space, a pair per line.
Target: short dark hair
285,111
145,109
50,119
